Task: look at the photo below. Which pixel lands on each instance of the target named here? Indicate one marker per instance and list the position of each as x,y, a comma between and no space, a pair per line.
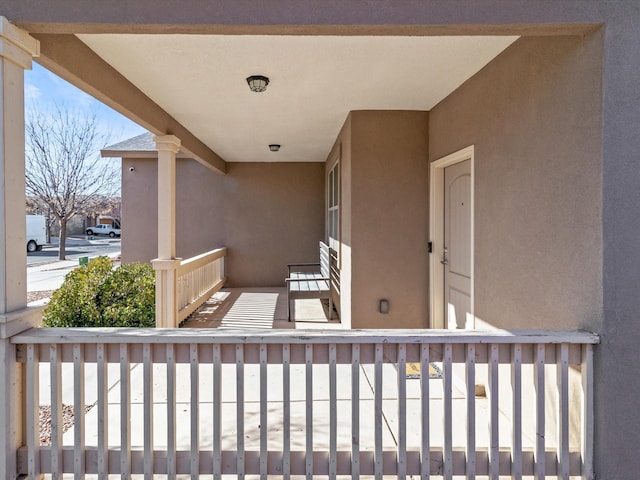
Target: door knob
445,260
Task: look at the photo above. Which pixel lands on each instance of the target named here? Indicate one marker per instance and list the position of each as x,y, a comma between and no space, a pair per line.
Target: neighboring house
486,181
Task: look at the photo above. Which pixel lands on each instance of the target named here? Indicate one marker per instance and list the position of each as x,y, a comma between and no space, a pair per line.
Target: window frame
333,207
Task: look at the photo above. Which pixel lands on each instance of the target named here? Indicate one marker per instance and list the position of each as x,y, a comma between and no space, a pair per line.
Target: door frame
436,229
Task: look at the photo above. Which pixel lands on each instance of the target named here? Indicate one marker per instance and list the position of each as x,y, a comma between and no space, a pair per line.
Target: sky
44,90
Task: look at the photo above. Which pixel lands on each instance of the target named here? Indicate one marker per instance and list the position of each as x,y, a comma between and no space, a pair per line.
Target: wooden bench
304,281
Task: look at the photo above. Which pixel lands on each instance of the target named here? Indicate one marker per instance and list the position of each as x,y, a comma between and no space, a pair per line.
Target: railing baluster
540,465
586,407
264,428
32,412
286,411
171,410
378,459
196,281
217,414
240,410
125,413
308,358
494,415
355,411
425,443
562,365
471,411
78,412
448,410
103,411
55,371
516,436
194,457
333,412
402,411
147,388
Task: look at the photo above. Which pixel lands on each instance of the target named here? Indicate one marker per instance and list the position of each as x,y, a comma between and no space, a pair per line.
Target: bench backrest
324,260
329,266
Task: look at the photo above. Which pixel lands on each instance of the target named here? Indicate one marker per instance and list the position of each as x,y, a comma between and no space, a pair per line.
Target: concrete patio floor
260,308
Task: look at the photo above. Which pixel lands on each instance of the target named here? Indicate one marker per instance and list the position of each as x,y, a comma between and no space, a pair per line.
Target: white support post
167,146
17,49
166,264
166,292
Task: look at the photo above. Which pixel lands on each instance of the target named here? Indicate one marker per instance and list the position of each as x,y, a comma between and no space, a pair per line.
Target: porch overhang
69,58
71,48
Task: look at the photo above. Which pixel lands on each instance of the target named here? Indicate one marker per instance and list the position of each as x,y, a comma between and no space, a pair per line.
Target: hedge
96,295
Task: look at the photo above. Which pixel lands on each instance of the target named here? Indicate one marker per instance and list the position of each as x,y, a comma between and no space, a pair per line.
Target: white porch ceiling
314,82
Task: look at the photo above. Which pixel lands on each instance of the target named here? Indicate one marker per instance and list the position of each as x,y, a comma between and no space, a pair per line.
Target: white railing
282,402
198,278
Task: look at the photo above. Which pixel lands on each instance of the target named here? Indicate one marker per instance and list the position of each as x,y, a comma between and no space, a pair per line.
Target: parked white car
36,232
104,230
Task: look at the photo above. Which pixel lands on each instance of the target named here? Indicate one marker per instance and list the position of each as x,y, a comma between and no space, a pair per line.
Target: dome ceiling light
258,83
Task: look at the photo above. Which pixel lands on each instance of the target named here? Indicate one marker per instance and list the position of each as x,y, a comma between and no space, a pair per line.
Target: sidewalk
252,407
81,241
298,407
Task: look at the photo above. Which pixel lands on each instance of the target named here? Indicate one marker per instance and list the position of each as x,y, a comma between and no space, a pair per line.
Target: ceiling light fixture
258,83
274,147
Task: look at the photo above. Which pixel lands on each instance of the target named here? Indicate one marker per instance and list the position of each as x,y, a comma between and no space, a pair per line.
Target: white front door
457,255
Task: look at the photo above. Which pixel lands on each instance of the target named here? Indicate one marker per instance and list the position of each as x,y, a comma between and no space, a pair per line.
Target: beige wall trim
137,154
17,45
294,17
436,229
547,29
68,57
169,143
20,320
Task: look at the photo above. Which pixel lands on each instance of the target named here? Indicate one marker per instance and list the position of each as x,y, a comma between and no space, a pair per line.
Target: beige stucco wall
274,215
384,218
266,214
139,241
534,116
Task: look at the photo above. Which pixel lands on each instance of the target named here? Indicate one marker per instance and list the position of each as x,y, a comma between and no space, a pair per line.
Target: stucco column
166,264
167,146
17,49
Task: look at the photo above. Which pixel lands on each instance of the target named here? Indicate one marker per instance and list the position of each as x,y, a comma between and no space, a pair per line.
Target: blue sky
44,90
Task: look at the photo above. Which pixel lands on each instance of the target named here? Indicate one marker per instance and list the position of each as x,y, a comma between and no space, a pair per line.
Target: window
333,214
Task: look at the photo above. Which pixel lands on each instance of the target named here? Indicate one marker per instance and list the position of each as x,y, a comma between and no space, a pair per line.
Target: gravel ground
45,421
33,296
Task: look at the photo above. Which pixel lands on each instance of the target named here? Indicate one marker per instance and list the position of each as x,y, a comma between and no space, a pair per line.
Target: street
45,272
76,247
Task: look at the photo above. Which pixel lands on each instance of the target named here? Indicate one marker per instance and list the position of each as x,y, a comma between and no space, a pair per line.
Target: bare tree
63,166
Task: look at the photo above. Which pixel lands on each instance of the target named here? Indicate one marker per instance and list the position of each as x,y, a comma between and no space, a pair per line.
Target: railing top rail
192,263
216,336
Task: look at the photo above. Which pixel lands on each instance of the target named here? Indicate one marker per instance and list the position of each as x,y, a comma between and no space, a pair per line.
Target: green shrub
96,295
127,297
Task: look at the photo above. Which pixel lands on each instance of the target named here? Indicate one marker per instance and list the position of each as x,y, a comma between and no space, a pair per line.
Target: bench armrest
305,279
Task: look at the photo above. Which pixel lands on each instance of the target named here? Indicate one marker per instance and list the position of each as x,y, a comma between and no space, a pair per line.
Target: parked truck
36,232
103,229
